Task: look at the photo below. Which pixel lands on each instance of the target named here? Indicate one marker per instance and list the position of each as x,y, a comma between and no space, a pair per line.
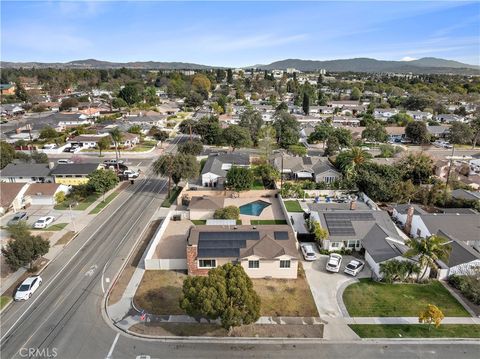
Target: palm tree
350,160
428,251
117,137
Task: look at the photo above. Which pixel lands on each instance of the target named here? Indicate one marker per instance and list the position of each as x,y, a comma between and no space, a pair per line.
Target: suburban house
67,120
11,109
343,104
215,170
466,195
420,115
384,113
19,172
438,131
395,134
86,141
463,224
73,174
40,194
7,89
462,259
448,117
354,226
268,251
12,196
315,168
146,120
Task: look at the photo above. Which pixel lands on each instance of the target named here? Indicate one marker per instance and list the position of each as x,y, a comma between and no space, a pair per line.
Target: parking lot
325,285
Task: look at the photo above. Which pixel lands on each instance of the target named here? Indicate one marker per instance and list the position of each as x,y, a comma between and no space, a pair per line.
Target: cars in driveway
43,222
17,218
354,267
308,252
113,162
27,288
334,262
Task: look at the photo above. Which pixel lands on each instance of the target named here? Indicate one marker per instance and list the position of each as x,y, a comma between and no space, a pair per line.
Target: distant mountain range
424,65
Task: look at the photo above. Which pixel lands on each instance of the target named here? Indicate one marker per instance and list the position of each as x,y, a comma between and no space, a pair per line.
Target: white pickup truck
131,174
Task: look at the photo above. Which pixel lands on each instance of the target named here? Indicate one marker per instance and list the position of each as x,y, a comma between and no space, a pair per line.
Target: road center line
109,355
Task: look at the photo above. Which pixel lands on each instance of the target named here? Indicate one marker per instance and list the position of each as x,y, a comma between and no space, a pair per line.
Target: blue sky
238,33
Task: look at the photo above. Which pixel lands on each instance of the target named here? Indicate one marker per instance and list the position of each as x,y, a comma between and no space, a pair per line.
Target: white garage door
42,201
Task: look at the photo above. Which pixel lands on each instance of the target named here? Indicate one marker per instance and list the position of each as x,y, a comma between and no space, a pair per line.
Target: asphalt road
64,318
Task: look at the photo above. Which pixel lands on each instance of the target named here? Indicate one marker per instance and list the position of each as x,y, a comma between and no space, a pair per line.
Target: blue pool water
253,208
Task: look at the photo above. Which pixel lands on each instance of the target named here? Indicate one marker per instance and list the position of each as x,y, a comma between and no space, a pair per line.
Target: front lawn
57,227
416,331
4,300
293,206
82,204
267,221
372,299
103,204
167,202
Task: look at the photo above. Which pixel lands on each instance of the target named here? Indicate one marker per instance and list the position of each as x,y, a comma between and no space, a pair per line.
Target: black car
17,218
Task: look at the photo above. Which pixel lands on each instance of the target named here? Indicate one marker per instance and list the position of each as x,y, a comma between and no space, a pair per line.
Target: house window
352,244
335,244
284,264
253,264
329,179
419,232
207,263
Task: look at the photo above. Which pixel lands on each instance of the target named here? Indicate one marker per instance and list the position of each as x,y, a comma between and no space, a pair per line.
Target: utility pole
448,176
71,218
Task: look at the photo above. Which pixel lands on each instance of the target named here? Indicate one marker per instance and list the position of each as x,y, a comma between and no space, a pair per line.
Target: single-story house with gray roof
315,168
215,170
20,172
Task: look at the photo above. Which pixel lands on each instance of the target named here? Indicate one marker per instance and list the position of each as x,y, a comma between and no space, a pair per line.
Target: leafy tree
321,134
226,293
103,144
267,173
229,212
60,197
355,94
388,151
306,104
397,270
24,248
230,76
343,135
375,132
297,150
194,147
68,103
118,102
333,146
39,157
266,140
349,161
401,119
239,179
150,96
20,92
318,231
252,120
236,136
287,129
48,133
194,99
208,128
136,129
379,182
201,84
102,181
460,133
415,102
417,132
176,167
417,167
321,98
7,154
130,94
475,124
428,250
431,315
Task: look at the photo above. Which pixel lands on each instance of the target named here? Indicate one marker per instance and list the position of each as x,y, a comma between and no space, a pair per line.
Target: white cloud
408,58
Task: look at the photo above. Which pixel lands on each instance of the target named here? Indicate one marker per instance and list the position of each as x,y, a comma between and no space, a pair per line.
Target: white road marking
109,355
90,272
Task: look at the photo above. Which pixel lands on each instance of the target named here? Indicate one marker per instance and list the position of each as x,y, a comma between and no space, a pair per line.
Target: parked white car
308,252
354,267
64,161
43,222
130,173
27,288
334,262
112,161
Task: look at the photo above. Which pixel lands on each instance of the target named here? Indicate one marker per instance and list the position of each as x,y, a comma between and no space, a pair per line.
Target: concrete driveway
325,285
35,212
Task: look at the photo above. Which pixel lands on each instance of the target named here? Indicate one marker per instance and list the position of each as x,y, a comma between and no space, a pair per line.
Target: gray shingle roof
463,227
216,160
460,253
74,169
379,247
464,194
25,170
314,164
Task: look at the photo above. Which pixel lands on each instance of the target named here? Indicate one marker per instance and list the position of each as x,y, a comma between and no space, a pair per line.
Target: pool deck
271,212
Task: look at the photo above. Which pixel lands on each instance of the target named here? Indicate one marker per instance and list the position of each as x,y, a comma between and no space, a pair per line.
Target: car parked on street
308,252
113,161
18,217
131,174
64,161
27,288
334,262
43,222
354,267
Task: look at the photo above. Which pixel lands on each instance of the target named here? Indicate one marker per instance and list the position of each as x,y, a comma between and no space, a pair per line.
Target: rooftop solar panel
218,252
280,236
206,243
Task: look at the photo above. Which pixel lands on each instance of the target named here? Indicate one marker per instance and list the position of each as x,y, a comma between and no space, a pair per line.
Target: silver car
308,252
27,288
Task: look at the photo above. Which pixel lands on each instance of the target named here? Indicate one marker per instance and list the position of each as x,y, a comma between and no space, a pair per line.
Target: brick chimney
192,253
408,222
353,205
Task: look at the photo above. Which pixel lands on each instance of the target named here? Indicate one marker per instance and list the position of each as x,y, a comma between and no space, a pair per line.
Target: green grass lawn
4,300
267,221
82,205
416,331
198,222
293,206
372,299
57,227
258,185
103,204
173,196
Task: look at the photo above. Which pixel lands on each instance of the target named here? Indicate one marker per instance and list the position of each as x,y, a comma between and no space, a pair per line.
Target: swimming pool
253,208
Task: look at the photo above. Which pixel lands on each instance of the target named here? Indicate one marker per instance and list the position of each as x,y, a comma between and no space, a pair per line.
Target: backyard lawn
416,331
372,299
293,206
